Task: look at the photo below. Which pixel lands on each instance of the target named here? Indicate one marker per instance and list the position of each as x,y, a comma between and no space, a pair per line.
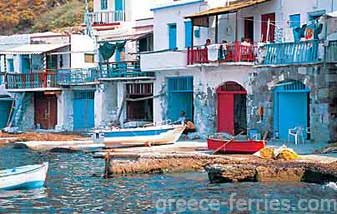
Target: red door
46,111
264,27
226,112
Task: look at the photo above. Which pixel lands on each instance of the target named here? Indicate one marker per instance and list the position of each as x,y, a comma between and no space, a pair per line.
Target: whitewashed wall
81,44
282,9
163,17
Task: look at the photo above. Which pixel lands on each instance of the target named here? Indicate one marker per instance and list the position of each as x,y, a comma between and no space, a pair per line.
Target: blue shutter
188,34
295,20
83,106
172,36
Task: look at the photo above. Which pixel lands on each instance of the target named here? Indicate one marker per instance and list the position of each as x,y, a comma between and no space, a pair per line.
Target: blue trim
134,133
27,185
176,5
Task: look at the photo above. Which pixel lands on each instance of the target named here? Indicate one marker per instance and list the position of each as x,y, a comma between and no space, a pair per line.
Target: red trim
231,92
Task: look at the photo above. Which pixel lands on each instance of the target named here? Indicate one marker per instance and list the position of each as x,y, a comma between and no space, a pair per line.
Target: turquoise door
180,97
83,106
25,64
5,107
172,36
290,110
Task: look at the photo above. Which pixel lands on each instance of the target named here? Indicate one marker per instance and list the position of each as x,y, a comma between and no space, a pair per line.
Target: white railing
107,17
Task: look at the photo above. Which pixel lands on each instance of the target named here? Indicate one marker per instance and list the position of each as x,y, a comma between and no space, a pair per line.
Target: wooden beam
216,29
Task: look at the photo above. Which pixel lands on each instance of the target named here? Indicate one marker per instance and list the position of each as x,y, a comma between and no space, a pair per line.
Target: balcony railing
291,53
234,52
77,76
122,69
197,56
331,52
31,80
107,17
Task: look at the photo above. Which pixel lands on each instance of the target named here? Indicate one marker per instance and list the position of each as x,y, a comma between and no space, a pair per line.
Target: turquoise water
75,185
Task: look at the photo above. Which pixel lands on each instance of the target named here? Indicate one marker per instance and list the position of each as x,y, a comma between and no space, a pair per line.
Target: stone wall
319,78
28,121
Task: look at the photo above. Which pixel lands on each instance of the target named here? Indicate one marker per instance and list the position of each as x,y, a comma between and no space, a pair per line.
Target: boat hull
147,136
235,146
26,177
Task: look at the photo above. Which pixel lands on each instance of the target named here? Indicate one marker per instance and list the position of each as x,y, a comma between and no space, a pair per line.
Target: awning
231,8
33,48
127,37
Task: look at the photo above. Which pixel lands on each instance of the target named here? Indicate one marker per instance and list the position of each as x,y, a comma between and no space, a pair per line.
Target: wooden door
45,111
264,27
249,28
172,36
225,113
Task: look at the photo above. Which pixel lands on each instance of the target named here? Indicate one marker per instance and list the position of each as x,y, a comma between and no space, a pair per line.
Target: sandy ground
32,136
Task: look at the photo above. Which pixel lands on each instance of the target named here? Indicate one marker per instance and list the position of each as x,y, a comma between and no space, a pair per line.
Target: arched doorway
232,108
291,107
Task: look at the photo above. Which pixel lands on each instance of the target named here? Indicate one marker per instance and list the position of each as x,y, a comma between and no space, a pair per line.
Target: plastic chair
297,133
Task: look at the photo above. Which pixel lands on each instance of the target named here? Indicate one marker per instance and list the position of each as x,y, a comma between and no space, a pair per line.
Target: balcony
331,52
125,69
77,76
291,53
235,52
163,60
38,80
107,17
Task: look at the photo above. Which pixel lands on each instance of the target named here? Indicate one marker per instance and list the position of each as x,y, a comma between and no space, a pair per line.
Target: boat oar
222,146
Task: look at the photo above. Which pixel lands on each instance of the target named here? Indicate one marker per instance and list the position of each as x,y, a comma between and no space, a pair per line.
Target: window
104,4
197,32
188,34
295,20
89,58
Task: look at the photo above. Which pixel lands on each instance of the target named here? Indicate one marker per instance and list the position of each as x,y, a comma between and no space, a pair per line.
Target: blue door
84,117
188,34
119,5
25,64
5,107
180,97
290,110
172,36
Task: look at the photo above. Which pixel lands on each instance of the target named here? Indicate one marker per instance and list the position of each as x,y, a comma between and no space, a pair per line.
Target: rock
274,174
231,173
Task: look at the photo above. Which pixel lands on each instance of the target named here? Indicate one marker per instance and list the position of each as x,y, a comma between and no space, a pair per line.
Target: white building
217,89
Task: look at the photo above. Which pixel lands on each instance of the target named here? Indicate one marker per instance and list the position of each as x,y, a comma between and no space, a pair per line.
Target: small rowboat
235,146
155,135
24,177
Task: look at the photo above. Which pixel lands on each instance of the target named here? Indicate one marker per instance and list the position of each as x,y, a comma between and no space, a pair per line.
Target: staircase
17,111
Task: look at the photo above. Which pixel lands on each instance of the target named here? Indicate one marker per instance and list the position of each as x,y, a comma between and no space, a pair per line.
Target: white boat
154,135
24,177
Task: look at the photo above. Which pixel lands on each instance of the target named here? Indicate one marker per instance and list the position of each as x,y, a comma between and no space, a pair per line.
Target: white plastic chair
297,133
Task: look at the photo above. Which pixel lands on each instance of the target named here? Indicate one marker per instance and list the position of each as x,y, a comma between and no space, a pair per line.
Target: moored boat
24,177
235,146
154,135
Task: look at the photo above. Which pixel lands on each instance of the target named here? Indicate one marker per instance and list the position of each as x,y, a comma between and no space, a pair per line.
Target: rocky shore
224,168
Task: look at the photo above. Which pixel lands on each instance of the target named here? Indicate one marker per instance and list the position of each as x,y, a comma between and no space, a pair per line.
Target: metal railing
122,69
107,17
44,79
77,76
291,52
197,55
